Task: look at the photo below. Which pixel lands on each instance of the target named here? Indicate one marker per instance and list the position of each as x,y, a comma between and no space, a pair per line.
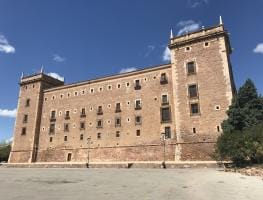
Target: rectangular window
165,114
27,102
138,120
191,68
117,134
118,107
83,112
82,125
67,115
194,108
138,104
66,127
137,85
138,133
25,119
99,123
167,131
99,111
69,157
81,137
165,99
50,139
117,121
52,128
65,138
98,136
23,131
192,91
53,116
163,79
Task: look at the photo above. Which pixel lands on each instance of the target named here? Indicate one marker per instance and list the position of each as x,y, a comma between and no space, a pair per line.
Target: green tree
242,138
4,151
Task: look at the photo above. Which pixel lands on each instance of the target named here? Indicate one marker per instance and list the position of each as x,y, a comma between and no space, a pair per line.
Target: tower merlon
41,77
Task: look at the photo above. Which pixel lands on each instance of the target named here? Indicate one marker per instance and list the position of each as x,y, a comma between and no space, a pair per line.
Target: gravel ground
122,184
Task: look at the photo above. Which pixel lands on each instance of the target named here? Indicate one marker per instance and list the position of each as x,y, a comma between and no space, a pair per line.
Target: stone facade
126,117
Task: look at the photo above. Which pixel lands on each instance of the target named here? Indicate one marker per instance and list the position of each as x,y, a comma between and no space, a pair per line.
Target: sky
85,39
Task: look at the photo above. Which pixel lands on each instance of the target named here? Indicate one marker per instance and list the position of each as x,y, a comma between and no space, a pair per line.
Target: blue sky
84,39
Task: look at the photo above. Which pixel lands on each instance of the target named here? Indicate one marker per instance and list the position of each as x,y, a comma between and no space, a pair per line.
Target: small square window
109,87
76,93
118,85
128,84
91,90
206,44
187,48
165,114
99,123
65,138
98,136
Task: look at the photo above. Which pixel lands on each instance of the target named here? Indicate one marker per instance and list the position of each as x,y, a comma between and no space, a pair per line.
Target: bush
4,152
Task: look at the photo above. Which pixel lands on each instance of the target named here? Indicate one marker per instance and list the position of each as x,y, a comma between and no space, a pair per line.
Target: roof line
110,77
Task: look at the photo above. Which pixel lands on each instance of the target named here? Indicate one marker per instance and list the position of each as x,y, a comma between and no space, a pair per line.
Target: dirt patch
248,171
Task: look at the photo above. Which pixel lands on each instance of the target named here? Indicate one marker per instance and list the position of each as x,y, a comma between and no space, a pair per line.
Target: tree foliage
242,138
4,152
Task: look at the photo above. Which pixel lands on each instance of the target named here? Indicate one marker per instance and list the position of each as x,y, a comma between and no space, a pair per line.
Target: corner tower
203,89
29,110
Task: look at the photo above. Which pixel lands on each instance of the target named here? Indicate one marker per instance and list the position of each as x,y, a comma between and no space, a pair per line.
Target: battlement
40,77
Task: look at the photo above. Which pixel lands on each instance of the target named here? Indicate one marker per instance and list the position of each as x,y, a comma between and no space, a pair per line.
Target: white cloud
187,26
5,47
196,3
150,49
56,76
129,69
58,58
9,140
259,48
8,113
166,55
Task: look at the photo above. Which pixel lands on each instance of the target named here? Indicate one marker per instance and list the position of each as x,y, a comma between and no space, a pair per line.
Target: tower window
191,68
52,128
138,120
98,136
194,130
82,125
67,115
137,85
206,44
117,134
27,102
192,91
65,138
50,139
187,48
118,107
165,114
83,112
194,108
66,127
218,128
117,121
167,131
138,133
163,79
138,105
81,137
25,119
23,131
69,157
119,86
165,99
99,123
99,111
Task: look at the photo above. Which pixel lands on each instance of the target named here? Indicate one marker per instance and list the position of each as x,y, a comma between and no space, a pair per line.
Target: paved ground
122,184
